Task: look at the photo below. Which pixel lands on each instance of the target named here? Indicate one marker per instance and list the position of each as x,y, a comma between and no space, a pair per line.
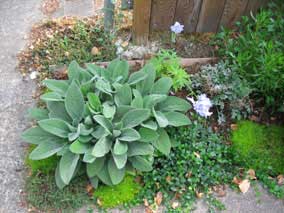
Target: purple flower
202,105
177,28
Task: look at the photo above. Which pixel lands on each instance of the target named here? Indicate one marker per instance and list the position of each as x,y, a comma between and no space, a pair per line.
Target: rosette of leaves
106,121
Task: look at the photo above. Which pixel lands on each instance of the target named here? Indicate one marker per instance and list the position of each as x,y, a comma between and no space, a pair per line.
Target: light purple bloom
202,105
177,28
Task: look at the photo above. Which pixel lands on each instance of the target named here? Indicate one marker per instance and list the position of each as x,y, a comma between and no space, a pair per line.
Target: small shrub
44,166
167,64
43,194
228,92
260,147
199,161
107,120
257,53
113,196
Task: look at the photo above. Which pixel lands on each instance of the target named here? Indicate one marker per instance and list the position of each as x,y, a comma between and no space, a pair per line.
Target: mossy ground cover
118,195
260,147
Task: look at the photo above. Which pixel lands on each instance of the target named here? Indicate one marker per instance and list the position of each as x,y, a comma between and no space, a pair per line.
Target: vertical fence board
210,15
141,21
254,5
233,11
163,13
187,13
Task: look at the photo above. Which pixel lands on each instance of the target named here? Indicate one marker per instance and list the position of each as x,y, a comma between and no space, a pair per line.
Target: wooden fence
195,15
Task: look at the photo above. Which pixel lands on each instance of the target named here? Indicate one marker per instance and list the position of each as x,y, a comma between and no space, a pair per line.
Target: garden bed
185,137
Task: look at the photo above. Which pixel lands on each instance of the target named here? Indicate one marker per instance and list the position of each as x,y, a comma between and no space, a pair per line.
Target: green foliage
167,64
272,185
107,120
199,161
257,53
44,166
43,194
74,43
227,91
113,196
260,147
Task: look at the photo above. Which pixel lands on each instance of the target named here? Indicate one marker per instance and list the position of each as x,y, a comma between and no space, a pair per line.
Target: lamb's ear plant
106,121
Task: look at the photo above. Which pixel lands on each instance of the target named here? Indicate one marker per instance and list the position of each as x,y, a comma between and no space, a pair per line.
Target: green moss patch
113,196
260,146
44,166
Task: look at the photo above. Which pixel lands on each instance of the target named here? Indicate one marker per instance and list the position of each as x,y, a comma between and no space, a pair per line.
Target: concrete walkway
16,18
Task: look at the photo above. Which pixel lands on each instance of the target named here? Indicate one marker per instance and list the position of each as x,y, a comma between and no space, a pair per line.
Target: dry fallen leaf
254,118
138,179
95,51
251,174
188,174
50,6
175,204
177,196
220,190
237,180
244,186
89,189
146,203
199,194
234,126
168,179
280,179
124,44
99,202
215,128
197,154
148,210
159,198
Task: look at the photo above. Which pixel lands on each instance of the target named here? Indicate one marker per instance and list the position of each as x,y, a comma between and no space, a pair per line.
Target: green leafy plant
121,194
257,53
271,184
199,161
227,91
106,120
167,64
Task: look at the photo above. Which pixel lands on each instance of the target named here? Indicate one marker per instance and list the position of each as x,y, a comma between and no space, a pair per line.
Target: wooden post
141,21
108,15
